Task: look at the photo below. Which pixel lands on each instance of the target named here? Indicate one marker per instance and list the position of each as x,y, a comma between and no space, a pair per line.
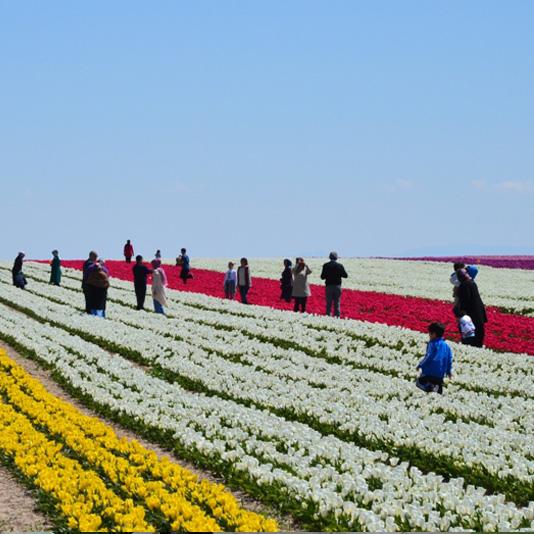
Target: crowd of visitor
468,307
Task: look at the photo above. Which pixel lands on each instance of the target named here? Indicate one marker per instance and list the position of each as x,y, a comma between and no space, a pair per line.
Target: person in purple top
87,263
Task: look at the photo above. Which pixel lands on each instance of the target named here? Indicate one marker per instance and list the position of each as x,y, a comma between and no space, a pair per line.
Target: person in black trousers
140,273
87,263
286,282
471,302
332,274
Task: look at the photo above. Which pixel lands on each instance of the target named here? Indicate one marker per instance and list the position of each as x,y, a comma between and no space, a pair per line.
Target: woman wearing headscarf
286,282
159,281
244,280
18,277
301,287
470,302
55,274
97,289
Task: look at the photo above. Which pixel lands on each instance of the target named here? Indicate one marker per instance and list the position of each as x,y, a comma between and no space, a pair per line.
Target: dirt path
18,507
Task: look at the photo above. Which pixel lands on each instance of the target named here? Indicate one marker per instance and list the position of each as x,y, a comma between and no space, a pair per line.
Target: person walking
87,263
286,282
332,274
19,280
470,302
244,280
159,281
301,288
128,251
55,274
140,272
97,289
185,273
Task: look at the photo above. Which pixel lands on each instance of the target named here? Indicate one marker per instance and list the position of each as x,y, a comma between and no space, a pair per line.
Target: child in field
230,282
437,362
466,327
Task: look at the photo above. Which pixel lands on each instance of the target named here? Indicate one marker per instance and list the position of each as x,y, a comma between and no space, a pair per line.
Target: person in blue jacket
437,362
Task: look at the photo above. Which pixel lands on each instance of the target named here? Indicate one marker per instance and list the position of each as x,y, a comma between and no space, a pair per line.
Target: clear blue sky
267,128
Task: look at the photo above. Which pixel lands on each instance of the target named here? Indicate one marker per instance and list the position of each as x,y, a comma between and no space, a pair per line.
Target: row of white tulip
343,340
510,374
332,477
381,407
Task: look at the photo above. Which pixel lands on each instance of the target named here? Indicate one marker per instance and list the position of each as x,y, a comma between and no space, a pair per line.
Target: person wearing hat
332,274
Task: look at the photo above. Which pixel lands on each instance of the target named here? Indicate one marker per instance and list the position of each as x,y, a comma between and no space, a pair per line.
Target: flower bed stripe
504,332
170,496
244,427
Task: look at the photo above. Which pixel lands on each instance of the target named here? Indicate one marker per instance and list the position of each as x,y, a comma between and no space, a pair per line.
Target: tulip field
317,417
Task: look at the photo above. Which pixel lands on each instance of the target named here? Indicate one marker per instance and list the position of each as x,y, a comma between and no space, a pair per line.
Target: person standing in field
128,251
157,255
230,282
332,274
472,271
185,273
87,263
286,282
159,281
19,280
437,362
97,288
301,288
140,273
244,280
55,274
470,302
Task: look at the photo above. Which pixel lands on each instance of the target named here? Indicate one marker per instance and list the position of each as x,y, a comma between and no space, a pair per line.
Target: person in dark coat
332,274
185,273
140,273
286,282
471,303
18,278
87,263
55,274
97,289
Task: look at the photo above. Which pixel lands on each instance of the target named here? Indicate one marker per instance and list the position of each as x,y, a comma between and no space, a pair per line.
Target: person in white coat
159,281
301,287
